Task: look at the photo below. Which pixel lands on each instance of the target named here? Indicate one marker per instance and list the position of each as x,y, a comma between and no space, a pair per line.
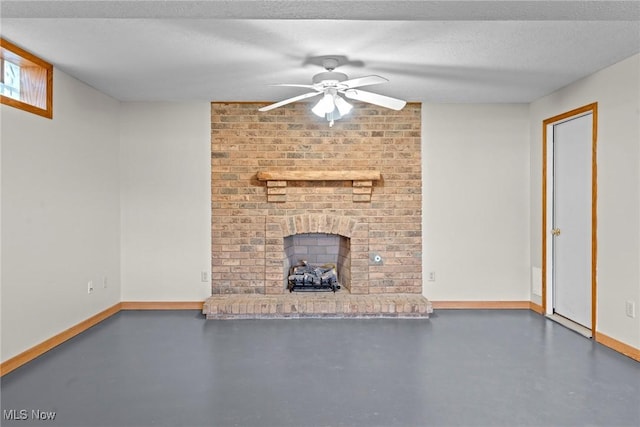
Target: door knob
555,232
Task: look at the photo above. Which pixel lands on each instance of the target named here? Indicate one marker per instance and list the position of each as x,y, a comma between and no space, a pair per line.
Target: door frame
547,208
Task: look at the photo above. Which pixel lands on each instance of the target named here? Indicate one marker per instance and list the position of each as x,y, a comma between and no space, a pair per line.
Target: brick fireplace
286,172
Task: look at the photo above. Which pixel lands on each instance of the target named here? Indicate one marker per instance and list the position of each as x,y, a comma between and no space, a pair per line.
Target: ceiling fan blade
289,101
363,81
374,98
293,85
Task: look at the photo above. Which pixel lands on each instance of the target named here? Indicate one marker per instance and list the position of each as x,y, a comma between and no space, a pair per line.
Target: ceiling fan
332,84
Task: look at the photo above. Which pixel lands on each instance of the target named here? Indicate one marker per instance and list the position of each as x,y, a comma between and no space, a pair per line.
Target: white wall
166,201
617,91
476,202
60,214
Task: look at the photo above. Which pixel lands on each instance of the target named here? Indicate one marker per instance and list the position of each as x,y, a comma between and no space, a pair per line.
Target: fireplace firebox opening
313,259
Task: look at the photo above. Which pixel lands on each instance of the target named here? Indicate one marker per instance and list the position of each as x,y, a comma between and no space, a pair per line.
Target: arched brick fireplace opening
354,271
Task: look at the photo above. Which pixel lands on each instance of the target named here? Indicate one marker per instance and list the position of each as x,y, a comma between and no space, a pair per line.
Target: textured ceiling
431,51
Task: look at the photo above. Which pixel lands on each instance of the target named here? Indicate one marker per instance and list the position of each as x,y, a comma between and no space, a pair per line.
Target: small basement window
26,81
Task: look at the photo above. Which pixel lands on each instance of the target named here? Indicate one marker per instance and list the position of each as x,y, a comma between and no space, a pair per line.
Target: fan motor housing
329,76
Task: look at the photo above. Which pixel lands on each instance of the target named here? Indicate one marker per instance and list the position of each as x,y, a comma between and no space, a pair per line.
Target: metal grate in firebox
309,277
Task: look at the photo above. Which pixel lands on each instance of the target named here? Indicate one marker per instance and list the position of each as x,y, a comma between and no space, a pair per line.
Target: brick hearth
316,304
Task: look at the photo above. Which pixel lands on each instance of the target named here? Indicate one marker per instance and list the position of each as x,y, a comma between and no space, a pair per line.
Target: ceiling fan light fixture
334,87
318,109
333,116
325,106
343,106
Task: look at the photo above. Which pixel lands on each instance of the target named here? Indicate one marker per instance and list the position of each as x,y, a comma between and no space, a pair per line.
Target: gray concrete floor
459,368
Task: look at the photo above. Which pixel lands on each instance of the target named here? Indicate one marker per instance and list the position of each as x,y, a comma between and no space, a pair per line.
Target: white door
572,145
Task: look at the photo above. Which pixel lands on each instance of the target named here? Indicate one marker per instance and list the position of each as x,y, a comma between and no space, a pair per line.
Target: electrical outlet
630,308
432,276
90,286
105,282
204,276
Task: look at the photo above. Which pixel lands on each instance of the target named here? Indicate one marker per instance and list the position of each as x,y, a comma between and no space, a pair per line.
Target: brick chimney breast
381,215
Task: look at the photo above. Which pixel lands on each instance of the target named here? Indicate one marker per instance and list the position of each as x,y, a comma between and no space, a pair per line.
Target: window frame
28,61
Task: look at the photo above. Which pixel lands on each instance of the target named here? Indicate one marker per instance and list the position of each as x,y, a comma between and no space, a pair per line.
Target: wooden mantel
277,181
318,175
